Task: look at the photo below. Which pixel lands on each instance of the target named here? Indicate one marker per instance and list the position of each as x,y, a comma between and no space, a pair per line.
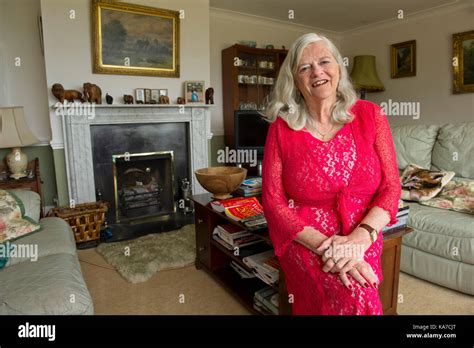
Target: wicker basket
85,219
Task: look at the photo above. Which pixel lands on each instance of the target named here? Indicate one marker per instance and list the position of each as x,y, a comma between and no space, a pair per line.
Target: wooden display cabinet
215,260
248,75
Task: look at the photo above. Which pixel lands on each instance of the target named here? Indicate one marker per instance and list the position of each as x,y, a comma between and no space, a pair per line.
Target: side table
33,183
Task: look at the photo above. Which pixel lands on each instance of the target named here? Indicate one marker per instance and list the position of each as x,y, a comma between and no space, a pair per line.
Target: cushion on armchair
13,223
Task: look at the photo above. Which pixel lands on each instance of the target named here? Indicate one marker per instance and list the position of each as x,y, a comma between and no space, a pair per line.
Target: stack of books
247,210
232,236
266,301
265,266
251,186
402,217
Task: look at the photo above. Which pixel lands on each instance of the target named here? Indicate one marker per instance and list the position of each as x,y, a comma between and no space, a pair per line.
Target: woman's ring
334,260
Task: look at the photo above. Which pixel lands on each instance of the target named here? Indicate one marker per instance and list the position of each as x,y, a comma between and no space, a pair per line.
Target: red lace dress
330,186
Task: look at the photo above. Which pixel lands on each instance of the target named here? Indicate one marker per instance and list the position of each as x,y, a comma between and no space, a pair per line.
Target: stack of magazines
251,186
266,301
241,270
232,236
402,217
265,266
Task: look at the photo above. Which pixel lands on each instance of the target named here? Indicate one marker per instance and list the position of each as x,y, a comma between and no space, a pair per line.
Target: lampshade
364,75
14,131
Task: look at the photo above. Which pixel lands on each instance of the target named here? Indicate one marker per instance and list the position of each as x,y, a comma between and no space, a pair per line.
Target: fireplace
126,130
143,185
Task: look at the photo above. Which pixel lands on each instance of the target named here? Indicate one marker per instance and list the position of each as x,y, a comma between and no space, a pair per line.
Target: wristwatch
372,231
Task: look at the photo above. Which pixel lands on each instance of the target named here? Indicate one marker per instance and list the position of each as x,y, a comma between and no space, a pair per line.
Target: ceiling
334,15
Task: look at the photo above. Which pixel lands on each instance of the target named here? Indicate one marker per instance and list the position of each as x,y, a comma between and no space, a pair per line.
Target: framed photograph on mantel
463,62
403,59
131,39
194,92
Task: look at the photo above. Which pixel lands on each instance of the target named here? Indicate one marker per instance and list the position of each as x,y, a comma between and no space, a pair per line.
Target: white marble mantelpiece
78,146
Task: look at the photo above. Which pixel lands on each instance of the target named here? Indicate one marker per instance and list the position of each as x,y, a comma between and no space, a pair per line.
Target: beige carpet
191,291
138,259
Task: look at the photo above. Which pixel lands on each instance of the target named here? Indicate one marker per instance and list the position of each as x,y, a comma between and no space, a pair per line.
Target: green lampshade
364,75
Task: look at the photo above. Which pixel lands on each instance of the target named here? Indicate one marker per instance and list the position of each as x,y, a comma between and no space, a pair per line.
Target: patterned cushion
457,195
420,184
12,223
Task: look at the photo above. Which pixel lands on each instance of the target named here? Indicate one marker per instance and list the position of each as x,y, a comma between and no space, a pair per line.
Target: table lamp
14,132
364,75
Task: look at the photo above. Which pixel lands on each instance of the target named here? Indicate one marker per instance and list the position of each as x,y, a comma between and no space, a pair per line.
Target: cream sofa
441,247
52,284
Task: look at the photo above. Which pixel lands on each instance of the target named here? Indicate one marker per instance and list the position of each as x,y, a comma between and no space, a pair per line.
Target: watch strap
372,231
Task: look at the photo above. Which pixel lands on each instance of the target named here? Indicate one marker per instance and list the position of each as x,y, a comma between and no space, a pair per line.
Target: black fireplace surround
109,140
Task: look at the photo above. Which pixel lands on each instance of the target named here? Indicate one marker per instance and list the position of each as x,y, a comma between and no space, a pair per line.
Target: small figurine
128,99
210,95
180,100
109,99
164,99
69,94
92,93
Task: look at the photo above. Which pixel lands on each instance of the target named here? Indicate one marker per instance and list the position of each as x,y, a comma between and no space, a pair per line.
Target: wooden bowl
221,181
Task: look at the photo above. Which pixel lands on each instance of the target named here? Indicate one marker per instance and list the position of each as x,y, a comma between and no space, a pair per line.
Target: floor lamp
364,75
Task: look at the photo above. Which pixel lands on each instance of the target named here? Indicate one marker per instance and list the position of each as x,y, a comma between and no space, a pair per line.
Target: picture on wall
135,40
194,91
463,62
403,59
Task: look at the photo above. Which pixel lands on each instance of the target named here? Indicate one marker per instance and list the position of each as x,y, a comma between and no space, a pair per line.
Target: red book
221,205
250,208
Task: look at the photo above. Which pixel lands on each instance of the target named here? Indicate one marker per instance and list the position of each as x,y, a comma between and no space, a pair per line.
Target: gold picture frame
463,62
131,39
403,59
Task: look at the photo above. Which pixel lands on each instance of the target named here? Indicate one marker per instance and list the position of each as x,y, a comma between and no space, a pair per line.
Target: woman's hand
344,252
358,268
362,272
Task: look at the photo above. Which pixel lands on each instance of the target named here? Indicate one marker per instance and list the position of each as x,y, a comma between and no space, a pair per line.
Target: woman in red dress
330,183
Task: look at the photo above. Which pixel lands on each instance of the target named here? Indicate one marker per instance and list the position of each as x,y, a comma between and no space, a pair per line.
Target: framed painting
463,62
403,59
194,91
131,39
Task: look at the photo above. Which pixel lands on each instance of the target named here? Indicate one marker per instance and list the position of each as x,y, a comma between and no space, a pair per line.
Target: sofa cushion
445,233
31,202
457,195
451,274
52,285
414,144
420,184
454,149
56,237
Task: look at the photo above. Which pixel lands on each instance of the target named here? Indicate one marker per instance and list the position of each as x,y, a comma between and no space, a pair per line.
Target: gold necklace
323,136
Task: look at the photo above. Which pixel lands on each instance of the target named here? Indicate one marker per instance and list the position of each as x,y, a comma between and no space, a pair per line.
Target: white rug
137,260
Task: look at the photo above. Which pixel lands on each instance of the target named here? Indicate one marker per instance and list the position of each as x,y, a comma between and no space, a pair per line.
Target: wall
432,85
68,55
68,51
25,85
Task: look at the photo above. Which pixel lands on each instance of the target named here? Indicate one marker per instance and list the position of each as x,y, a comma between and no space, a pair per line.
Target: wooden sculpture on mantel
69,94
128,99
92,93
